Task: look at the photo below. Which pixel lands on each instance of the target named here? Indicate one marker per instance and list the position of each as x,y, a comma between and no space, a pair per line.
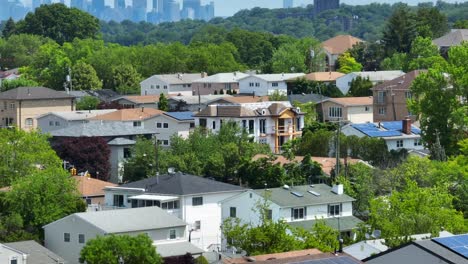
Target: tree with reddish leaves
111,105
86,154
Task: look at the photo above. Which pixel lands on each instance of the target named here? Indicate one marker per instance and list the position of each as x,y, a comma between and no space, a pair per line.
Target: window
14,260
244,123
88,201
382,110
157,86
263,126
197,225
214,125
417,142
232,212
152,86
183,85
257,84
12,105
202,122
275,84
166,125
204,85
172,234
335,111
158,125
269,214
170,205
118,200
81,238
263,141
334,209
57,123
28,122
165,86
51,123
251,84
209,85
399,143
197,201
251,126
127,153
408,95
192,125
189,85
381,97
227,86
166,142
5,105
66,237
137,123
297,213
366,109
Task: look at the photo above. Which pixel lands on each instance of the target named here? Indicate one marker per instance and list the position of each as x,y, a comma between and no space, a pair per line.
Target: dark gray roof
178,249
307,98
33,93
346,223
37,254
441,251
100,129
182,184
454,38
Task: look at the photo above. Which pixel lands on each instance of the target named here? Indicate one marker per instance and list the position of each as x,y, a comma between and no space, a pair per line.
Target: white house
192,198
69,234
266,84
397,134
271,123
9,255
216,83
179,83
297,205
27,252
351,109
58,120
344,82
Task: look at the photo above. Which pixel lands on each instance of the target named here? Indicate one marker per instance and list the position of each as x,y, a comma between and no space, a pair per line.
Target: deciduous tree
84,77
360,87
88,103
126,79
348,64
163,103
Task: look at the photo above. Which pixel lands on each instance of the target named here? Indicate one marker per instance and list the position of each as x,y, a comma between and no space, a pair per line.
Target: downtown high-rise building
119,4
140,8
80,4
171,11
191,9
322,5
288,3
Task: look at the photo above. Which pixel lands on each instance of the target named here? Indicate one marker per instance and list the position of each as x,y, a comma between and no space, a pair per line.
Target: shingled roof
340,43
401,83
454,38
132,114
33,93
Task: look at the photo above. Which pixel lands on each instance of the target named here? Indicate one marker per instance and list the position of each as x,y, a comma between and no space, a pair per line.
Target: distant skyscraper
158,5
171,11
97,7
36,4
194,5
120,4
80,4
288,3
322,5
140,8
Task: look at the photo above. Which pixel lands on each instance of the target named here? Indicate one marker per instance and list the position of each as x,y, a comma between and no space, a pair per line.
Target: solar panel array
372,130
458,244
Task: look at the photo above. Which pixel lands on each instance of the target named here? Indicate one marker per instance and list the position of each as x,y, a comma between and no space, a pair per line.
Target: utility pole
337,149
69,79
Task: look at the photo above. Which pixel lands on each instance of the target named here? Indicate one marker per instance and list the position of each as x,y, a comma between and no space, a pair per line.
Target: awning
346,223
177,249
150,197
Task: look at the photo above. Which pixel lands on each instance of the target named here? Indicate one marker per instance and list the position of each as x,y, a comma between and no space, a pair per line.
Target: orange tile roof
133,114
350,101
340,43
323,76
142,99
284,255
327,163
91,187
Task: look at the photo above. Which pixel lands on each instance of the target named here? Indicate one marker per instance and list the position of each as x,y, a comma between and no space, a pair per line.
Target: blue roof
388,129
458,244
180,115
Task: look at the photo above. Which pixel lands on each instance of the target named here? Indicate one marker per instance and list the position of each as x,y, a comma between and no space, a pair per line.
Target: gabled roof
194,99
139,99
100,129
132,114
37,254
351,101
181,116
361,250
306,98
245,110
78,115
242,99
182,184
230,77
177,249
91,187
340,44
130,220
277,77
33,93
323,76
377,76
285,198
400,83
384,129
178,78
454,38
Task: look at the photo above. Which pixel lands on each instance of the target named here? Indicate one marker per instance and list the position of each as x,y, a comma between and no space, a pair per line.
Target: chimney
338,189
204,74
142,109
406,126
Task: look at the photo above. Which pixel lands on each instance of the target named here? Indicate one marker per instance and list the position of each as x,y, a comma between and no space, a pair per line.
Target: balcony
286,130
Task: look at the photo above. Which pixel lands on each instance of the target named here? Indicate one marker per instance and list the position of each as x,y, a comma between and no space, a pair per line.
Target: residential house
27,252
306,98
455,38
266,84
344,82
20,106
58,120
239,99
214,84
397,134
271,123
324,77
179,83
104,95
390,98
92,190
336,46
348,109
299,206
9,75
452,249
192,198
192,103
138,101
70,234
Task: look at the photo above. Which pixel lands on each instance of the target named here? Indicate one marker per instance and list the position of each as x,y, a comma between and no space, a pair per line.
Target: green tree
20,82
288,58
60,23
20,50
9,29
398,61
88,103
400,31
163,103
461,24
84,77
348,64
369,54
142,162
360,87
126,79
424,54
432,19
277,96
110,248
262,171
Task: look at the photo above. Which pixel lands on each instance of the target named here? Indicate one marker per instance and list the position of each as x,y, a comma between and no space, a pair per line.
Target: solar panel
297,194
314,193
392,125
415,130
458,244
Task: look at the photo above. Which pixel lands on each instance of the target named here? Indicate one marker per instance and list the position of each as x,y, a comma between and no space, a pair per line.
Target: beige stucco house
19,107
351,109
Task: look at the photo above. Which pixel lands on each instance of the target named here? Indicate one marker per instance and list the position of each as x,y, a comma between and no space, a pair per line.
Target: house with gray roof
455,38
178,83
192,103
58,120
214,84
69,234
344,82
194,199
299,206
266,84
28,252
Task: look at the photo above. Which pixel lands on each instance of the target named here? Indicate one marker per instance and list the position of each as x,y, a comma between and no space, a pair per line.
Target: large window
382,110
127,153
81,238
399,143
170,205
137,123
251,126
334,209
275,84
197,201
166,125
14,260
408,95
197,225
381,97
203,122
66,237
28,122
232,212
298,213
172,234
417,142
335,111
118,200
263,126
269,214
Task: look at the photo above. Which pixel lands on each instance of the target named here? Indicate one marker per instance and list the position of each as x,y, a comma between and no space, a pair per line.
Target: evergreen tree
400,31
163,104
10,28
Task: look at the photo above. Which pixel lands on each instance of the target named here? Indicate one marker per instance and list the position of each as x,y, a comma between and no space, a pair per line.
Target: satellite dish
171,170
367,236
376,233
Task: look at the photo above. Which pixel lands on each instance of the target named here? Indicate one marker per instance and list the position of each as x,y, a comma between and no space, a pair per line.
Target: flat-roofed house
58,120
216,83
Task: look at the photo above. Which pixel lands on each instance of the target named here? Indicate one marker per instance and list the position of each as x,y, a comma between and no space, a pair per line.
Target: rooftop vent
171,170
314,193
298,194
286,187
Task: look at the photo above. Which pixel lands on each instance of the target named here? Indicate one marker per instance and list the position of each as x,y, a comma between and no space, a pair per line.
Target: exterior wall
174,127
343,83
316,212
161,235
400,102
117,160
408,254
264,88
360,114
70,251
31,109
8,254
149,86
210,88
182,89
44,124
